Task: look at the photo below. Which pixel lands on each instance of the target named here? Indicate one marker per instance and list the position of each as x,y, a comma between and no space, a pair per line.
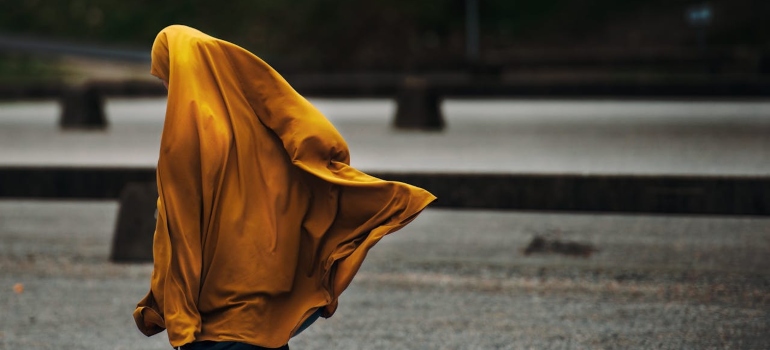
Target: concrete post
418,106
82,108
135,227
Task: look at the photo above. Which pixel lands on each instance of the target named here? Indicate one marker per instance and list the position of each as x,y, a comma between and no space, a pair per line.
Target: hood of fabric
261,219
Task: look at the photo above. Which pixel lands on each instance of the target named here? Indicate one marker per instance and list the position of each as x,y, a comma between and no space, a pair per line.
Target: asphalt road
450,280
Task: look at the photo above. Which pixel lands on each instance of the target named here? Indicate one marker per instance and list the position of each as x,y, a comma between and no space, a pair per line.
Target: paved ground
499,136
451,280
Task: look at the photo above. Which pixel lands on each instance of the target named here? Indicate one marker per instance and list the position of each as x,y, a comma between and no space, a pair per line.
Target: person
262,222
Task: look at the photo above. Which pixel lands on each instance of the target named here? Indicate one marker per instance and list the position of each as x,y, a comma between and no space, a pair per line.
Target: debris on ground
545,245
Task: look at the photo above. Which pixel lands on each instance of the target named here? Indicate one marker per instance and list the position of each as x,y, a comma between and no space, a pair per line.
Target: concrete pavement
450,280
494,136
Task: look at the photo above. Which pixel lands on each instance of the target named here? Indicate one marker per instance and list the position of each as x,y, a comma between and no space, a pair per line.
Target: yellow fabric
261,219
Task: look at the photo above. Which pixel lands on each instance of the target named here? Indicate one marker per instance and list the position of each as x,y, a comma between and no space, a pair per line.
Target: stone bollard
135,227
418,106
82,108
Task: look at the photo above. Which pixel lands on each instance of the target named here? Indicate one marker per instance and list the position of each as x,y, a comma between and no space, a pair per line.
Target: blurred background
560,39
602,167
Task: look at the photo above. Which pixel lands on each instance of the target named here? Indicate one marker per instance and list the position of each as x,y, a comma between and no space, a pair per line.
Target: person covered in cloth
262,222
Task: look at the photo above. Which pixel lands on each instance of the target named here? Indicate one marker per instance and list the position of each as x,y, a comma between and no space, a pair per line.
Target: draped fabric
261,219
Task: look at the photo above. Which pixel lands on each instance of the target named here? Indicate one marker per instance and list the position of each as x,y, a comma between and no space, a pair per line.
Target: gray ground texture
450,280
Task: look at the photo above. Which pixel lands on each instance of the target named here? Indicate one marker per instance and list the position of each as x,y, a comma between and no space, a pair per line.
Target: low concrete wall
723,195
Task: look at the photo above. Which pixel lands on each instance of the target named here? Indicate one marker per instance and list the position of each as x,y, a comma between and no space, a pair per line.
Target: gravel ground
451,280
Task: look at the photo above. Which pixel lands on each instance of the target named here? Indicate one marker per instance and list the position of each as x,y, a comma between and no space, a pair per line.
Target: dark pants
227,345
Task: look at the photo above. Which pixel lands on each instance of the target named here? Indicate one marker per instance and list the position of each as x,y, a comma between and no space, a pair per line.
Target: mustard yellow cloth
261,219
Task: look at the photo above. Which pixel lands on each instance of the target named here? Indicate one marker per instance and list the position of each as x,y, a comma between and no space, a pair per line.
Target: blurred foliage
392,34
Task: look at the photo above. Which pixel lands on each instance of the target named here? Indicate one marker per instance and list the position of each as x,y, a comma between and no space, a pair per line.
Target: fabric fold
261,218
